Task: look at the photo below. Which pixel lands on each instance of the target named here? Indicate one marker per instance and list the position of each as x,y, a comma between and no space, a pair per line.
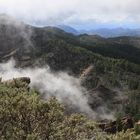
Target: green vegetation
132,106
23,115
116,65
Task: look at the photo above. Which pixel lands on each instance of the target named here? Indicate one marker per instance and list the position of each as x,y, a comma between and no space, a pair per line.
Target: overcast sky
77,13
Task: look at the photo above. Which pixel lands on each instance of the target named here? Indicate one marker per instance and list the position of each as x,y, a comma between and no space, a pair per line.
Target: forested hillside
108,69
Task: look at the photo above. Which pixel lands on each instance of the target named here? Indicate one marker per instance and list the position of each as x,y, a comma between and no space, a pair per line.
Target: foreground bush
24,116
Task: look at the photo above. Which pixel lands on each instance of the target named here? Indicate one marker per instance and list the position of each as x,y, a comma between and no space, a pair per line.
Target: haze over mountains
104,32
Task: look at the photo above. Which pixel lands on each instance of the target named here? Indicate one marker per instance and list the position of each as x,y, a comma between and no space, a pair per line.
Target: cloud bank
52,12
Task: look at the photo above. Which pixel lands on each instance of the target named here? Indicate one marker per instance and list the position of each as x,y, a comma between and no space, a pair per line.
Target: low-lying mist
67,89
64,87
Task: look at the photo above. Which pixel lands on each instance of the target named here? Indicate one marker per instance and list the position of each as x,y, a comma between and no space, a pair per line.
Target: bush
24,116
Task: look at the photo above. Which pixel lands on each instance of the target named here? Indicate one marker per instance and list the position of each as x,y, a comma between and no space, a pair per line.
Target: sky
81,14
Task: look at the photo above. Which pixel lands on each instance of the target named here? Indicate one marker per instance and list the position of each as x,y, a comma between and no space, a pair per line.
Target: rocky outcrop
117,126
137,127
86,72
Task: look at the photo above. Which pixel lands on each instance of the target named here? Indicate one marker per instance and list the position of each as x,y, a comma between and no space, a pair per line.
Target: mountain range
104,32
107,67
89,74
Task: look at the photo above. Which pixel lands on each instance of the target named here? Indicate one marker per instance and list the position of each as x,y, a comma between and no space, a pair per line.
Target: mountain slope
23,36
116,65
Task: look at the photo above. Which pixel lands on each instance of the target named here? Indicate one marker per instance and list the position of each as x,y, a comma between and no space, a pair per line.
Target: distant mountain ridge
103,32
68,29
115,32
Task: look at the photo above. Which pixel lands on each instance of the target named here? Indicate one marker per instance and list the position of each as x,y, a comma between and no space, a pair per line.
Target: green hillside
108,68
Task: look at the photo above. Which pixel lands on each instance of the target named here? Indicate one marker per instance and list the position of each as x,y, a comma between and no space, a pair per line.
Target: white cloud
70,11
